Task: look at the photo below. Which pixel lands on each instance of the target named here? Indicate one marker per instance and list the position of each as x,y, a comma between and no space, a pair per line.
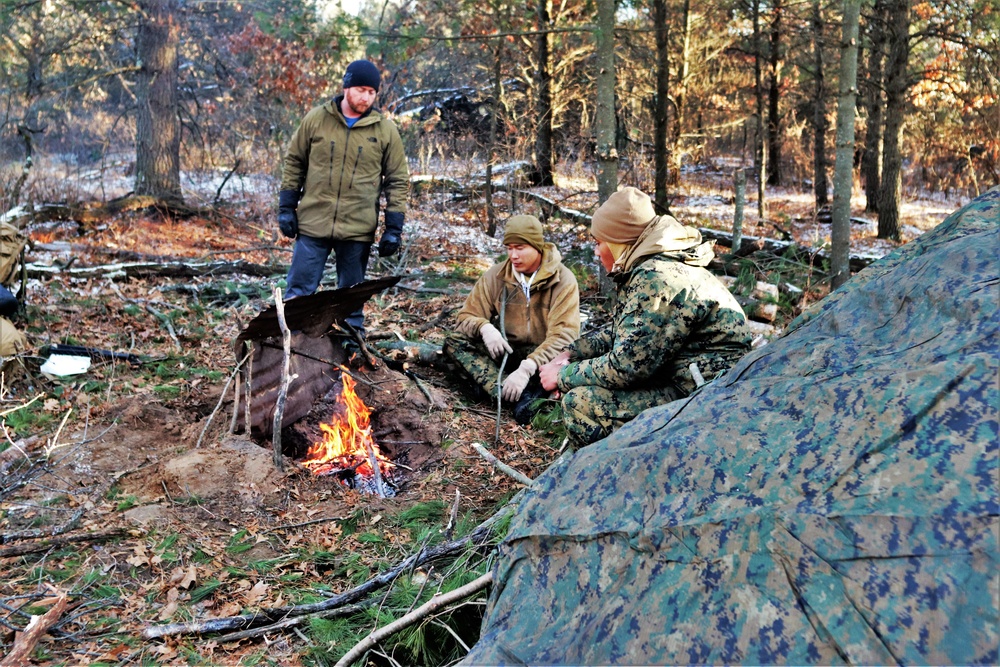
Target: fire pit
347,448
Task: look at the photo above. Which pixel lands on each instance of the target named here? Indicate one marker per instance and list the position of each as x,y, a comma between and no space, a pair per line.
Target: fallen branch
45,545
501,466
292,622
279,406
25,642
477,537
417,614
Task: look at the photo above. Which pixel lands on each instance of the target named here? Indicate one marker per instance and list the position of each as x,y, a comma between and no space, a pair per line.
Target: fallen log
62,540
175,269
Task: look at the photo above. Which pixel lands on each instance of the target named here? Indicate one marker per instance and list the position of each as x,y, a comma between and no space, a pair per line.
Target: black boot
529,403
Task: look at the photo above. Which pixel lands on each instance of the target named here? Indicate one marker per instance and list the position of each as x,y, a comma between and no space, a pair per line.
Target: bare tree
774,143
820,123
158,128
661,160
844,167
895,100
872,102
604,122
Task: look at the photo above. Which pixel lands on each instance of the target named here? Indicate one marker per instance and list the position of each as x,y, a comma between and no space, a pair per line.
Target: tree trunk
774,144
895,100
873,105
759,156
542,172
158,128
491,213
844,168
661,157
604,122
679,95
820,124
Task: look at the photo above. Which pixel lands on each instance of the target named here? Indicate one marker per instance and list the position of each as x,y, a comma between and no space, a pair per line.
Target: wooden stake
25,642
279,406
502,467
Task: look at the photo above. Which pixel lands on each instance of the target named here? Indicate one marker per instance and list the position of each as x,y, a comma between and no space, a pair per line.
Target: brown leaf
258,591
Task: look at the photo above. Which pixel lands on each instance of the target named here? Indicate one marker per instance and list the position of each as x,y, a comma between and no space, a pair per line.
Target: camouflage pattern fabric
832,499
476,363
669,315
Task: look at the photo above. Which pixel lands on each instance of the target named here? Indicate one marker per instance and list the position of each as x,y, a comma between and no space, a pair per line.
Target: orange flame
346,438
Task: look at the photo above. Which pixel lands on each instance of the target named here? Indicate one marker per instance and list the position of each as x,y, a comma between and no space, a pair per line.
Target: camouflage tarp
832,499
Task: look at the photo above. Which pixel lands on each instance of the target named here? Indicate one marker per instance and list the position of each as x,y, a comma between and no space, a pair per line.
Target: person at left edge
343,156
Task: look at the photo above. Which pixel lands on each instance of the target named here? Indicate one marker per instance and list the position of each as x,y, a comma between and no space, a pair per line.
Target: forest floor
213,529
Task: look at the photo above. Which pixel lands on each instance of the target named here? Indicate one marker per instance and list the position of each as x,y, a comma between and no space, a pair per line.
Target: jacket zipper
336,210
329,178
354,171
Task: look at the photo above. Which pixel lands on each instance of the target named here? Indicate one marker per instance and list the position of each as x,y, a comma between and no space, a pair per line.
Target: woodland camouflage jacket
671,312
341,171
549,322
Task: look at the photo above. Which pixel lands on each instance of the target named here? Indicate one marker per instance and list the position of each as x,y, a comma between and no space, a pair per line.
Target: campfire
348,450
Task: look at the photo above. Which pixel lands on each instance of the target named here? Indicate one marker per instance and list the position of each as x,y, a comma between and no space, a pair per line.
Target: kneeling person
540,301
675,324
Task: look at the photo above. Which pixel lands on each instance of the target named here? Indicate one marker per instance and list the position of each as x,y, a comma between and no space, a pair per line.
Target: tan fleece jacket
551,320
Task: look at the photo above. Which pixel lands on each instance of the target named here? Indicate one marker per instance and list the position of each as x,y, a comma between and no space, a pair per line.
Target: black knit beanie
362,73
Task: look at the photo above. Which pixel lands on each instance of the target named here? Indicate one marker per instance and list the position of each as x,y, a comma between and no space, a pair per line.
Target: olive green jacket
341,171
549,322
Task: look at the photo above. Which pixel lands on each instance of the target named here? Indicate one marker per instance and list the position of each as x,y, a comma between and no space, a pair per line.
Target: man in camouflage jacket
674,325
540,302
342,157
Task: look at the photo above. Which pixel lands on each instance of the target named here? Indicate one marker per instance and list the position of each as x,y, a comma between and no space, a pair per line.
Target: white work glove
494,341
518,380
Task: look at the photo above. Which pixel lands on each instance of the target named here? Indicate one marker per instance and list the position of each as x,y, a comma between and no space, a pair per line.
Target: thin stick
453,517
236,405
417,614
249,394
279,406
166,322
502,467
45,545
222,397
304,523
503,362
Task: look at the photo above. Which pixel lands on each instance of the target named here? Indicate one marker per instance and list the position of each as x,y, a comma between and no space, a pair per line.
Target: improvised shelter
832,499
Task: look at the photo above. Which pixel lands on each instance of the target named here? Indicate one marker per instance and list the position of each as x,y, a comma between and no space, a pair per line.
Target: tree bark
895,100
844,169
661,157
759,155
680,89
774,143
491,213
158,129
873,105
604,122
820,124
542,172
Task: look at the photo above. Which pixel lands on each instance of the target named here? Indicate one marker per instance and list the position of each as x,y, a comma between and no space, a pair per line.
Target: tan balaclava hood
526,229
623,217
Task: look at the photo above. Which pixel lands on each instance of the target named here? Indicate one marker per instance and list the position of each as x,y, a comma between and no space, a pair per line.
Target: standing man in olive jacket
342,157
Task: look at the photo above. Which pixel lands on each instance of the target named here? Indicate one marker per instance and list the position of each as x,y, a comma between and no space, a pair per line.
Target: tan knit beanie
525,229
623,217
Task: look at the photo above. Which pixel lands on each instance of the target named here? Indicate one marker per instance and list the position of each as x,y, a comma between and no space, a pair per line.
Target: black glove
288,219
388,245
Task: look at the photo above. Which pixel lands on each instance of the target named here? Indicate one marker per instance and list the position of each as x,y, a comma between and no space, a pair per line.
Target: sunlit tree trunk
759,155
680,88
661,157
158,128
774,143
491,213
843,180
542,172
895,100
872,103
604,122
820,124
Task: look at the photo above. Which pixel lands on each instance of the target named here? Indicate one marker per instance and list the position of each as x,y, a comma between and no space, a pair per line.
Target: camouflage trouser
591,413
476,363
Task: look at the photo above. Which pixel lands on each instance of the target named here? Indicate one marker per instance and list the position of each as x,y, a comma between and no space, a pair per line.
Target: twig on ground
453,517
304,523
166,323
222,397
417,614
501,466
292,621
